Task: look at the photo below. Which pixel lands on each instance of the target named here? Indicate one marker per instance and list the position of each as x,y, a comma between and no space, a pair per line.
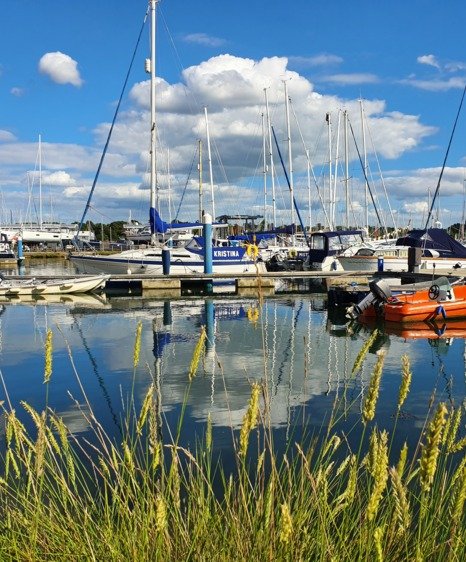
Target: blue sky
62,67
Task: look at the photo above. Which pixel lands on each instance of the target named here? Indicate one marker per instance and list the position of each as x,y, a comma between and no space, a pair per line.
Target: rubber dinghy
442,300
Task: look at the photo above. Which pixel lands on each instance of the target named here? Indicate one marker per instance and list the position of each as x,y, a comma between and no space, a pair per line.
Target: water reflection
304,360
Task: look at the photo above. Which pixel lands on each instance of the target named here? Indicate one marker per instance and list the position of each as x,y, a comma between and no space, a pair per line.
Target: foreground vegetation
66,498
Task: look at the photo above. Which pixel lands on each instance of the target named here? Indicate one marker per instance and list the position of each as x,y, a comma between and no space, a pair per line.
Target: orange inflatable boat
441,301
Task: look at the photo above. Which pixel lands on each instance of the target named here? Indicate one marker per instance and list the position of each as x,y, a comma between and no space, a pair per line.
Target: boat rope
441,310
382,180
104,152
429,214
289,186
311,167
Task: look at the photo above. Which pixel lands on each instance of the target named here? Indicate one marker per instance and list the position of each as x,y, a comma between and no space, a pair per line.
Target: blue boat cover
434,239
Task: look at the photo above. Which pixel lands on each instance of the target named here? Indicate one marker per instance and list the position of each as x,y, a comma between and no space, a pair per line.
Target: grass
63,497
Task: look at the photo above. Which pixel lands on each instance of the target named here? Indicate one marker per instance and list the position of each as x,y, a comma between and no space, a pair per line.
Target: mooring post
208,251
166,260
20,256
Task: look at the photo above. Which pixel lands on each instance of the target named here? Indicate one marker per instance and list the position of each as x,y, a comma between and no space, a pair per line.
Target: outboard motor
380,292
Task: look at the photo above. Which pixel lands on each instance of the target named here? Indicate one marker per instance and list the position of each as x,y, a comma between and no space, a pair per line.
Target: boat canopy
436,239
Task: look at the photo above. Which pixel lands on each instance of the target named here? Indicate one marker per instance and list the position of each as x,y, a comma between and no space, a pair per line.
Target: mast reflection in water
304,361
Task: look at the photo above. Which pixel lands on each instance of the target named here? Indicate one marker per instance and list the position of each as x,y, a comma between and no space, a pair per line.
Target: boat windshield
318,242
348,240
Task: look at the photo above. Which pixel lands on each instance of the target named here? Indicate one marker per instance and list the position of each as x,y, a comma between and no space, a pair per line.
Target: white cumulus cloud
430,60
59,178
415,207
60,68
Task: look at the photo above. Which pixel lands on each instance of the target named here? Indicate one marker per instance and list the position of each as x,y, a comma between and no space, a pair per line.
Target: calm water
289,342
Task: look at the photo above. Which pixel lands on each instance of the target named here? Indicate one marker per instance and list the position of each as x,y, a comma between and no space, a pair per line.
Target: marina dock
245,284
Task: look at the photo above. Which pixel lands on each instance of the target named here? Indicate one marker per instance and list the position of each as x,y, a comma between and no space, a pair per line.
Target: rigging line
429,214
383,183
98,212
365,177
376,197
306,151
289,187
110,130
186,185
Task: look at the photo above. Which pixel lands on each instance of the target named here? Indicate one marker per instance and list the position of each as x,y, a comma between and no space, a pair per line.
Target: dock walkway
265,281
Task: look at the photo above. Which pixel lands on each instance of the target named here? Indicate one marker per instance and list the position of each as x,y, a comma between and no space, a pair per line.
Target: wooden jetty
248,285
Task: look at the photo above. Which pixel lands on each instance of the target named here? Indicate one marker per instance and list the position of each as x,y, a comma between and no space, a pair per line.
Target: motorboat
436,249
326,246
7,255
52,286
442,300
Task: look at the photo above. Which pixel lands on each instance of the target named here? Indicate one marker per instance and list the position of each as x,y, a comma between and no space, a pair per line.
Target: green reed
65,498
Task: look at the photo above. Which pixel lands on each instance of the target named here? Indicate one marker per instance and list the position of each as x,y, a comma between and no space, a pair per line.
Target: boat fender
253,315
252,251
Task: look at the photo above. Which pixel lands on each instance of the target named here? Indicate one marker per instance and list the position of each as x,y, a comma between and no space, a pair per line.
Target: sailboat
38,234
185,258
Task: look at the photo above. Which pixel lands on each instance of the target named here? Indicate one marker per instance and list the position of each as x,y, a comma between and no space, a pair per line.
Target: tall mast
329,129
272,177
264,169
210,163
309,190
290,158
40,181
200,181
345,115
169,186
335,172
366,187
153,169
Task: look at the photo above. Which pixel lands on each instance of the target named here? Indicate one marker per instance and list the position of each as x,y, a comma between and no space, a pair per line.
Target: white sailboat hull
73,285
149,262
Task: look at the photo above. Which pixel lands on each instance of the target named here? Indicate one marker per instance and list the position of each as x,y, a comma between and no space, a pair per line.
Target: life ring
253,251
253,315
292,253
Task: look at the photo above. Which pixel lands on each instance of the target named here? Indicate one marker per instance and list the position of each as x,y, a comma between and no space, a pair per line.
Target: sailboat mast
366,188
153,169
335,174
200,181
290,158
272,177
329,134
264,169
345,115
40,182
209,155
169,186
